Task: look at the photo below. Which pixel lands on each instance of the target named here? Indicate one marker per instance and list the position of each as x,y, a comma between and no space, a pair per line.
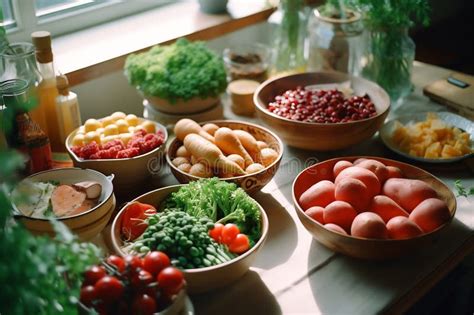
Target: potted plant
390,51
181,78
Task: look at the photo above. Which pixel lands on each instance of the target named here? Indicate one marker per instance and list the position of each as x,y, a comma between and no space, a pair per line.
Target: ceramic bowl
87,224
129,171
373,249
251,182
320,136
201,279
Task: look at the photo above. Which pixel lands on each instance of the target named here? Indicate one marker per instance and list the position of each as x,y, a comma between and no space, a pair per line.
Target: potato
81,131
131,119
210,128
183,152
92,125
262,145
316,213
268,156
254,168
430,214
185,167
118,115
386,208
369,225
122,125
376,167
177,161
200,170
353,191
78,140
364,175
195,160
400,228
340,213
339,166
408,193
237,159
394,172
107,121
92,136
320,194
111,129
335,228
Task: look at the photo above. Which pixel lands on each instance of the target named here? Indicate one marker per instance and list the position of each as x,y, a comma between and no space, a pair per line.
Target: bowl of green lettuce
184,77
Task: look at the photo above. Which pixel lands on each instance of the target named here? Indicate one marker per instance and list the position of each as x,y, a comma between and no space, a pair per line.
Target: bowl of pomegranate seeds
124,145
322,111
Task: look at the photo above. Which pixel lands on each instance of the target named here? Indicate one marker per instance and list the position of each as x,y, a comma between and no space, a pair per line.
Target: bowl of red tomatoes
318,110
211,253
133,285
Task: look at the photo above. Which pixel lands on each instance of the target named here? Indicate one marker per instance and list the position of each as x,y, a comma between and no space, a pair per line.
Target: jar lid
243,87
42,42
62,84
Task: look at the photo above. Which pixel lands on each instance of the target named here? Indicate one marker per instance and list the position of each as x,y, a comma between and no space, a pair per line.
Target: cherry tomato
109,289
117,262
216,232
134,263
133,220
154,262
229,232
170,280
93,274
144,304
240,244
141,280
88,295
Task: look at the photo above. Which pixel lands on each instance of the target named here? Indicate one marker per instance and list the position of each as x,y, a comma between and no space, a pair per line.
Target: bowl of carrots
372,208
243,153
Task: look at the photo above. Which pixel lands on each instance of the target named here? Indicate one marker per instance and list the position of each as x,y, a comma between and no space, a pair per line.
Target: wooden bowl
373,249
192,106
201,279
320,136
87,224
251,182
128,172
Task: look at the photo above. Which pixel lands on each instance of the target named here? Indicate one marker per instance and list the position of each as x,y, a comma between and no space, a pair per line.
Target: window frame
57,24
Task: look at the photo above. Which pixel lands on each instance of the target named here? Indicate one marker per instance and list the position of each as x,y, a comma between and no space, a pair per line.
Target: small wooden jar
241,94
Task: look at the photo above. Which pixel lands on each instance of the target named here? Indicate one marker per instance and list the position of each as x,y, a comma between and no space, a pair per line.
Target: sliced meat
66,199
86,205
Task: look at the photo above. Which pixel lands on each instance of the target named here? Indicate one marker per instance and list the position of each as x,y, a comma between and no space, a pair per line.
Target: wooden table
294,274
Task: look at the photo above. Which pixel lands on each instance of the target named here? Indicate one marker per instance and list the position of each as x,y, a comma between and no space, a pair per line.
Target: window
22,17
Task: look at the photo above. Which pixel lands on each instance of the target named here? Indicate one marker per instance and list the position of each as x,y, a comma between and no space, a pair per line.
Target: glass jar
288,34
246,61
335,42
388,60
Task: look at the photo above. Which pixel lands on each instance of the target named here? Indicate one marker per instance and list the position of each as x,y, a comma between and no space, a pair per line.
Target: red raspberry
138,143
113,143
150,136
128,153
77,150
140,133
89,149
152,144
95,156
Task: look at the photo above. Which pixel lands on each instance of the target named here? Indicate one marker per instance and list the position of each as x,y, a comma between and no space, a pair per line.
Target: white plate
450,118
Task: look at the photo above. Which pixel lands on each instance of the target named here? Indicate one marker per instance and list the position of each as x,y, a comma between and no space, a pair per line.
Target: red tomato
109,289
141,280
117,262
134,263
229,232
88,295
133,220
216,232
154,262
144,304
240,244
170,280
93,274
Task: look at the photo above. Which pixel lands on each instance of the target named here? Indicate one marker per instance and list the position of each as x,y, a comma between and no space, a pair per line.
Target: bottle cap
42,42
62,84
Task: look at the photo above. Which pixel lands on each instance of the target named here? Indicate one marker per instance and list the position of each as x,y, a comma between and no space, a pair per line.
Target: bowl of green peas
211,229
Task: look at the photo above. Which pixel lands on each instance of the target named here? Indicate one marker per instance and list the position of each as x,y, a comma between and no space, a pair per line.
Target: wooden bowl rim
171,189
150,153
105,200
217,122
376,240
263,108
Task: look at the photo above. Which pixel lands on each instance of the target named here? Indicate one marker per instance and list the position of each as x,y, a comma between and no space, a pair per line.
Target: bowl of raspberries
132,152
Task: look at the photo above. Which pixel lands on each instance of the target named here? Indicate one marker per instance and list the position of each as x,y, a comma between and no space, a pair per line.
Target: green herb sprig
463,191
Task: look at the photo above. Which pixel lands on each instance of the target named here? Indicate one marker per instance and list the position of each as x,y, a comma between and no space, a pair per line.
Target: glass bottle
67,107
288,33
25,134
47,90
335,41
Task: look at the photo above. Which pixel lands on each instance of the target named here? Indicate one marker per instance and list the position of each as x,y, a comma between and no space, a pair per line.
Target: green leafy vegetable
183,70
463,191
221,202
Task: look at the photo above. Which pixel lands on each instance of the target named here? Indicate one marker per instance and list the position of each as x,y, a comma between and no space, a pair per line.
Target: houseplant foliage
390,51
